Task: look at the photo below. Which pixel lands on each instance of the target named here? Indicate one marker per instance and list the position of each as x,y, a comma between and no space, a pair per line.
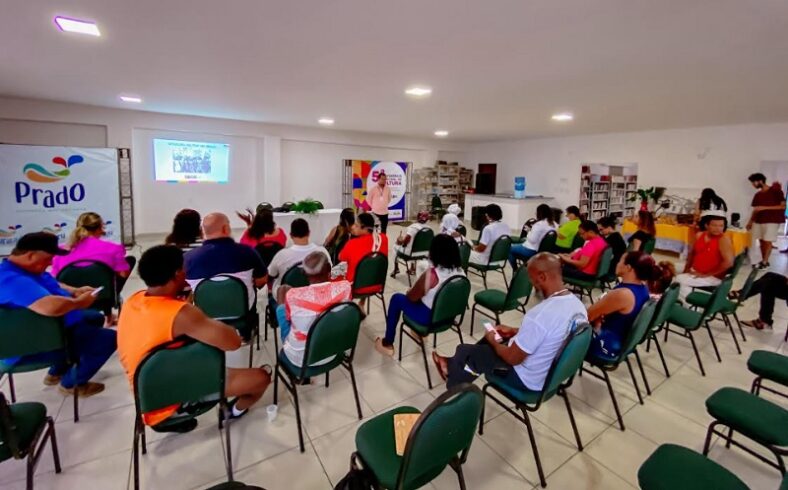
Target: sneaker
178,428
52,380
84,391
386,350
230,415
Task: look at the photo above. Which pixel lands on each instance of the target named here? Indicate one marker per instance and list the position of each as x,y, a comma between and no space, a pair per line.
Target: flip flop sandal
435,359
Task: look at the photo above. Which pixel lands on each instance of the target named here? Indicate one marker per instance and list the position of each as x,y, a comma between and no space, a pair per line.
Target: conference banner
46,188
365,176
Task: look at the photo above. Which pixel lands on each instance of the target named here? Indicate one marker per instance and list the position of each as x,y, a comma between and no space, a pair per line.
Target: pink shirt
591,248
379,199
280,238
92,248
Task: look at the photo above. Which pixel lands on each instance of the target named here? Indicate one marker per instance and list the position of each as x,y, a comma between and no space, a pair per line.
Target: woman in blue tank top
614,313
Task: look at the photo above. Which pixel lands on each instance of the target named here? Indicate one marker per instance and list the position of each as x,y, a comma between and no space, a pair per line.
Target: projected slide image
190,161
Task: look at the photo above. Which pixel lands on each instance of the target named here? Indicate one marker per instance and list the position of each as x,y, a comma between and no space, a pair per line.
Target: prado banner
365,176
48,187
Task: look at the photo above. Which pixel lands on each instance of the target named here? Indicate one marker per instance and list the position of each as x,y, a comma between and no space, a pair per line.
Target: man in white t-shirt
288,257
525,359
494,230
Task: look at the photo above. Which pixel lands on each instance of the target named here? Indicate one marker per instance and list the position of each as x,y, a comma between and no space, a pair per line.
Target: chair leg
755,389
276,383
634,380
484,279
565,396
729,324
426,365
135,453
401,334
457,466
251,352
713,342
481,416
613,398
266,318
327,376
642,373
697,354
729,439
591,296
53,442
473,316
707,442
527,421
741,329
355,390
503,273
661,357
407,273
229,462
76,406
298,417
143,439
275,335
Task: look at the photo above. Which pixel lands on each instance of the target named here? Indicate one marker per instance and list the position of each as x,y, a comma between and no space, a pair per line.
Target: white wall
270,163
718,157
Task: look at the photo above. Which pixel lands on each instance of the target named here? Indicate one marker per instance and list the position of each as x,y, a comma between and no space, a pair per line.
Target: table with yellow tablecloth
675,238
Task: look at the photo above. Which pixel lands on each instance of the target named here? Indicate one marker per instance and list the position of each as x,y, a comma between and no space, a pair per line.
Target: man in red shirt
768,213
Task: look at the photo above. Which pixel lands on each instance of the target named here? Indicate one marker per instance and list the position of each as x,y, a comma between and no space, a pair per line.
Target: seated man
568,230
294,254
156,316
770,286
709,259
404,243
525,359
220,254
494,230
583,263
607,228
25,284
299,307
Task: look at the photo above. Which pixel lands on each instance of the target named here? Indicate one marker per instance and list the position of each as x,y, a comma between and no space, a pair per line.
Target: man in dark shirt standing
768,213
607,228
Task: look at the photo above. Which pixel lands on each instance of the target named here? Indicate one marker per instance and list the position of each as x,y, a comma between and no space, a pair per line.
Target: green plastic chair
419,250
738,261
25,429
548,242
566,363
665,304
586,288
24,332
441,437
496,261
330,343
371,273
224,297
448,311
295,277
701,299
672,467
629,346
94,274
770,366
757,419
437,207
688,321
161,381
465,255
264,205
646,247
577,242
498,302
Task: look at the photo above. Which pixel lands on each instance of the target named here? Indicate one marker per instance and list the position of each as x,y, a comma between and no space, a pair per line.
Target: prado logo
8,236
49,198
56,229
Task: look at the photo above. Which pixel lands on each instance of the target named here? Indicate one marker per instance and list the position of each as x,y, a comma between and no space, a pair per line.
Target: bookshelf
605,190
448,180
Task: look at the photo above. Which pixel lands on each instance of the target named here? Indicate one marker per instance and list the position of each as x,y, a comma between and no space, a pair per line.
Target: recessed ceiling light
325,121
131,99
563,117
441,133
78,26
419,91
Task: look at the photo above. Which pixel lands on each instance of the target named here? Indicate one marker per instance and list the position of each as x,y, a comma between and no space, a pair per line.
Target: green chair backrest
267,251
462,230
333,332
577,242
738,261
666,302
295,277
604,263
422,241
451,300
371,271
444,431
747,286
94,274
500,249
262,206
24,332
436,202
568,360
178,372
465,255
639,327
222,297
548,242
717,300
9,440
649,246
520,287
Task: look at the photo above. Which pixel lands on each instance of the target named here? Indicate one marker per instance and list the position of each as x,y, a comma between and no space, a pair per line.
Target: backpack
356,479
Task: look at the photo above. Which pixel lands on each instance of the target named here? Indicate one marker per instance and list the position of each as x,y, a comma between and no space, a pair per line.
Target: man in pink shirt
379,197
583,263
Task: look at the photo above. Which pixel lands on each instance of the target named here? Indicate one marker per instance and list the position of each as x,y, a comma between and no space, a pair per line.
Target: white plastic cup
271,411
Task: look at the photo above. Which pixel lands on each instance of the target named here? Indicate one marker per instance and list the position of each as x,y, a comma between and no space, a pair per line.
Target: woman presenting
379,197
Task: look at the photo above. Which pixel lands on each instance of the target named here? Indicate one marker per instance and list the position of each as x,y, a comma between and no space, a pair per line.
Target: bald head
544,270
215,225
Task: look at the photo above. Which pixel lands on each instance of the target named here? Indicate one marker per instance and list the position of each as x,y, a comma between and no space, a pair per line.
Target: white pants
688,281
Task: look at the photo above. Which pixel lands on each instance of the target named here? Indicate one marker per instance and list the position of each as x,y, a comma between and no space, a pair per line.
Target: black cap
39,241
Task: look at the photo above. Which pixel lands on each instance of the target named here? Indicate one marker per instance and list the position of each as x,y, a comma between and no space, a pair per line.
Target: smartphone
96,291
490,328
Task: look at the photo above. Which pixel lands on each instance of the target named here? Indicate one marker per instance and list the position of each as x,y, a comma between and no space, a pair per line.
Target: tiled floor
96,452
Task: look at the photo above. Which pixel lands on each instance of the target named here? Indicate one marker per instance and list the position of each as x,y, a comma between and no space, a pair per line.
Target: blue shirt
620,323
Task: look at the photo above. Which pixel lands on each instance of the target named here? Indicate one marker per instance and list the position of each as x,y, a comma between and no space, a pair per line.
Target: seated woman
186,231
614,313
261,229
404,243
444,257
583,263
647,230
451,223
366,239
544,224
340,234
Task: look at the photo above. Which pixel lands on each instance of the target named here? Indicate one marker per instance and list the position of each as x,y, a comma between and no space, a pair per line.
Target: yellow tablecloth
676,237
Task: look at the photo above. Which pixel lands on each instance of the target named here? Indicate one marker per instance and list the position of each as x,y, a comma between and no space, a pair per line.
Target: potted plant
646,194
306,206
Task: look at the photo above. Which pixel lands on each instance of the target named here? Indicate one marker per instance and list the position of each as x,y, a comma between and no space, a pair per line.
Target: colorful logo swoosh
37,173
11,231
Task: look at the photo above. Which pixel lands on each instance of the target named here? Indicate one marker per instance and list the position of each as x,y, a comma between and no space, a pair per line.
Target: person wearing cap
450,223
24,283
405,242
